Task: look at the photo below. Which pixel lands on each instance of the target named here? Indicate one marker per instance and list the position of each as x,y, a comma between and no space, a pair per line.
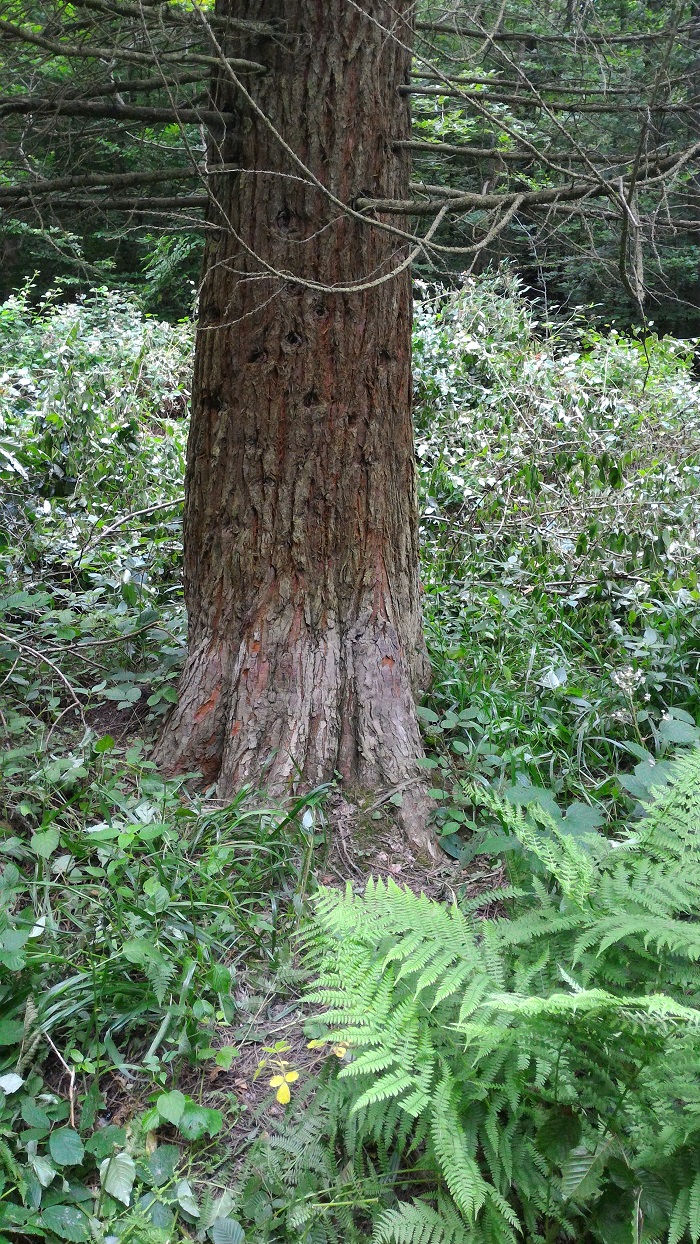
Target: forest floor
150,982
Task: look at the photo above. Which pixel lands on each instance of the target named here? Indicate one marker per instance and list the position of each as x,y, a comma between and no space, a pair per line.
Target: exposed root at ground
371,842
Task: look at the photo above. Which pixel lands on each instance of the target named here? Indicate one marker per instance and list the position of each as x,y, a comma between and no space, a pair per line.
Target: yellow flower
339,1050
282,1083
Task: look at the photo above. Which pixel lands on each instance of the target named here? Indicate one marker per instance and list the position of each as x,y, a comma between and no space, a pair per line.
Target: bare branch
167,14
483,202
520,157
114,111
535,101
44,189
174,203
506,83
73,50
529,37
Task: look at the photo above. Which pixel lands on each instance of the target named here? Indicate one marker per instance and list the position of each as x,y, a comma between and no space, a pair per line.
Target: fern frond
679,1217
458,1166
417,1223
469,1038
670,831
564,859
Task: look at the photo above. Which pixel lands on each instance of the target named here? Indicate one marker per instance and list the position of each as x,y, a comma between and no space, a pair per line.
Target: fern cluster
534,1076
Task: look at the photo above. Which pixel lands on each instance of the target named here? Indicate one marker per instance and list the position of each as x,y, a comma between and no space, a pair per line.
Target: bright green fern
536,1076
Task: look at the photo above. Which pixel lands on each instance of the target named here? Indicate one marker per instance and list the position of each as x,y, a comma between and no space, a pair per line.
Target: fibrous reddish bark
301,559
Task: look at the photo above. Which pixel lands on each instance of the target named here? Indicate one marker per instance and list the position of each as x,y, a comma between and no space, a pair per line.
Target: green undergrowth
132,918
140,926
93,406
143,929
532,1076
560,489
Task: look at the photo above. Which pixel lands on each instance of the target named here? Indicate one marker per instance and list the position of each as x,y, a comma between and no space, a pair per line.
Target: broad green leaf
15,939
171,1106
151,1120
580,818
125,694
226,1231
162,1163
219,978
45,844
452,845
158,895
427,715
11,1031
524,796
220,1208
44,1171
225,1056
117,1176
579,1172
91,1104
32,1114
559,1134
681,715
674,731
160,1214
13,960
67,1222
646,775
185,1199
197,1121
66,1147
139,951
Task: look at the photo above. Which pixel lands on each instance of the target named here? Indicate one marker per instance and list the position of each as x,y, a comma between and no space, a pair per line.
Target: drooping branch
73,50
532,37
535,101
32,191
96,110
520,157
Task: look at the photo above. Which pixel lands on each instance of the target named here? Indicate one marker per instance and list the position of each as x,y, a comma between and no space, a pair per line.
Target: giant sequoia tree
301,561
284,128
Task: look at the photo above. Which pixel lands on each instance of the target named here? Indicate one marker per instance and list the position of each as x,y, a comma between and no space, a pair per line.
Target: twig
393,790
149,509
116,639
39,656
345,854
10,672
59,718
71,1075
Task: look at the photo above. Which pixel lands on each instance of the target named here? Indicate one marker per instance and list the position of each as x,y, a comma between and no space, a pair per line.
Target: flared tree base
288,709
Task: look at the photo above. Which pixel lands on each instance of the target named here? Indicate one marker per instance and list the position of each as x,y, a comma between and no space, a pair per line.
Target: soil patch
366,844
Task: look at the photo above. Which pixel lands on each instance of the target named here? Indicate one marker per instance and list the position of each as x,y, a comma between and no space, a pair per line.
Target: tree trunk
301,557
